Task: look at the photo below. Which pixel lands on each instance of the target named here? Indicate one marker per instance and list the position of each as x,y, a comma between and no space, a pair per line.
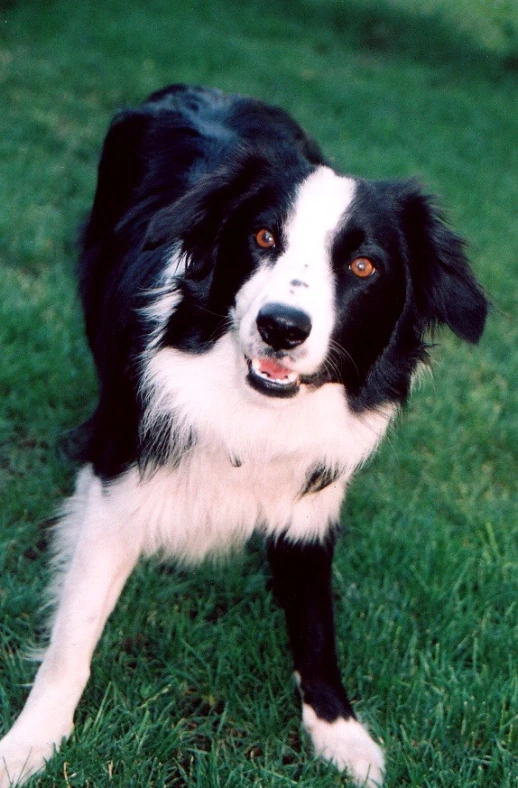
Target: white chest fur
251,458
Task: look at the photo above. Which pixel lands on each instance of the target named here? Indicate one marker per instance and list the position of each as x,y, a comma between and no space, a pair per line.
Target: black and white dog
256,320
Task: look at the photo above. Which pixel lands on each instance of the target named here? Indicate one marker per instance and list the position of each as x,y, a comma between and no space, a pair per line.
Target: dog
256,320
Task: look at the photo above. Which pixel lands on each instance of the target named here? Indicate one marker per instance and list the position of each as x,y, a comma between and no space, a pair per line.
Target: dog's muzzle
282,328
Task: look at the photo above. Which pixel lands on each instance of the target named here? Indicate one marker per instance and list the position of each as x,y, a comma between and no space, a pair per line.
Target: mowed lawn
191,683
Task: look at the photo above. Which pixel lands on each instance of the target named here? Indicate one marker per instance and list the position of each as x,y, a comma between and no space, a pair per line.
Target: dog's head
320,278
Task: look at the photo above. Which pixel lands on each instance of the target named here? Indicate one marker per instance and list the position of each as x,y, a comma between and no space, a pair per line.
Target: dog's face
320,278
286,313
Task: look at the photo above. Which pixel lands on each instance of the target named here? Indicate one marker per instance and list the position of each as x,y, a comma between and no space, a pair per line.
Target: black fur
318,478
302,582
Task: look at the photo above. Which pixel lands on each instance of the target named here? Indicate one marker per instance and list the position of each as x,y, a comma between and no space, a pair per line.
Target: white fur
346,744
208,504
99,558
166,298
276,442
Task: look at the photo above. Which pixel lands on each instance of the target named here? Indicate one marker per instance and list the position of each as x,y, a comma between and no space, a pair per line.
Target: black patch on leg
302,582
318,477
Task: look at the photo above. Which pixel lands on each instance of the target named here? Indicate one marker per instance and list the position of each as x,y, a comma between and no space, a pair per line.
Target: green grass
191,681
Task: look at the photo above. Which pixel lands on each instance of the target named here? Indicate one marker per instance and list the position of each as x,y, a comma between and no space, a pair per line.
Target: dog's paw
347,745
20,758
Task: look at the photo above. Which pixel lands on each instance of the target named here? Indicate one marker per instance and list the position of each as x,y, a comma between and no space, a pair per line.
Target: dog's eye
265,238
362,267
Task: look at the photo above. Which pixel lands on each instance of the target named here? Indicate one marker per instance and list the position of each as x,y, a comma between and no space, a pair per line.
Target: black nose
283,327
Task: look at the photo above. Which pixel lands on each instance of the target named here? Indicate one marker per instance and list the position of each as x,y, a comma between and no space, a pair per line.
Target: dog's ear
445,288
197,220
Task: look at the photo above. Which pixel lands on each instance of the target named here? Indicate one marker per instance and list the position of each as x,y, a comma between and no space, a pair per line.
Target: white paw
20,758
347,745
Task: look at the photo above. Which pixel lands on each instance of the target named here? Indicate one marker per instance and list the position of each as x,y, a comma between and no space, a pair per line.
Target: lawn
191,683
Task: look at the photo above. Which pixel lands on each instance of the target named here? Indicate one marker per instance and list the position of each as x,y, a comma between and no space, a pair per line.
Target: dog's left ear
445,288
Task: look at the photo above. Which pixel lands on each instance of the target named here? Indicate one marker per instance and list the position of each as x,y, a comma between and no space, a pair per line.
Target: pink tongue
273,369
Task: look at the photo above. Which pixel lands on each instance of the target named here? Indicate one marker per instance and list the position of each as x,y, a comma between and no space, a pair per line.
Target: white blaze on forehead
322,201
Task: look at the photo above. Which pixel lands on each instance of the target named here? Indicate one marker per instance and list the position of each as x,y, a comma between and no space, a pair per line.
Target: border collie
256,320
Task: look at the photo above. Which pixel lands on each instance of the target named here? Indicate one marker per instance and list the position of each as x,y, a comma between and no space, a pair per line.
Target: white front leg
100,558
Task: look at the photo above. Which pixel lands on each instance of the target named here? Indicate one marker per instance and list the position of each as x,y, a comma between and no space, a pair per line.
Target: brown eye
362,267
265,239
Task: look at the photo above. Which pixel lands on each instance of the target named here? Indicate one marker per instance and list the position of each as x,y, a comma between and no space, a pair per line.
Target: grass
191,681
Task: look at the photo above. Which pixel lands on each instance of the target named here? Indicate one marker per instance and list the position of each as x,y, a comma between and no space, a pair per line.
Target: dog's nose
283,327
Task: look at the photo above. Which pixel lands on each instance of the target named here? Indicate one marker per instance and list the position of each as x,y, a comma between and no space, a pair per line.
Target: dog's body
256,320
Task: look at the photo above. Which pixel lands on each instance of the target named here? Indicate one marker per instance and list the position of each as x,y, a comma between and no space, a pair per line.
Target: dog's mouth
270,377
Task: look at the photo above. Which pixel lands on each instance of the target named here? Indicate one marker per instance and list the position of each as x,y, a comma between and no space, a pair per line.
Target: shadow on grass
375,27
378,27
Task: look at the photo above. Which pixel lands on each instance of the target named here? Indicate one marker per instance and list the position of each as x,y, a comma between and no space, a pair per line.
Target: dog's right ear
196,221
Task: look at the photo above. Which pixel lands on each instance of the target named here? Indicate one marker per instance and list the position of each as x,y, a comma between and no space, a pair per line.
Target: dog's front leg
302,581
99,557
